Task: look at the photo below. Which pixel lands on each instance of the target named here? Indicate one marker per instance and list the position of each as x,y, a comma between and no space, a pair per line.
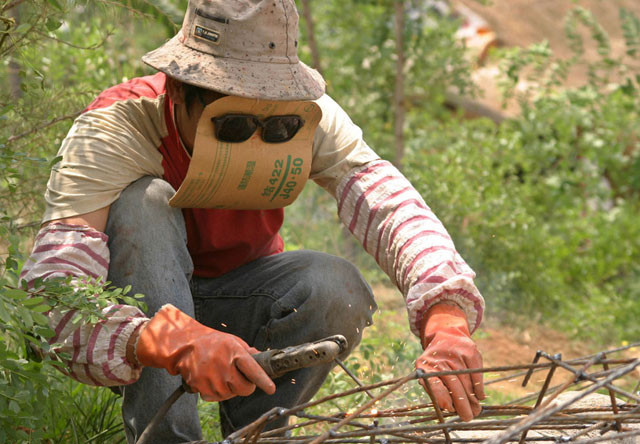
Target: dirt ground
504,345
521,23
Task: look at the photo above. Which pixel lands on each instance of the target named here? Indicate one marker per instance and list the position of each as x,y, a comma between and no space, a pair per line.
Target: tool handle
278,362
274,362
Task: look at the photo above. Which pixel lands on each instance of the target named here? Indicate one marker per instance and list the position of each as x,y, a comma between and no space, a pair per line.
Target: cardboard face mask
250,175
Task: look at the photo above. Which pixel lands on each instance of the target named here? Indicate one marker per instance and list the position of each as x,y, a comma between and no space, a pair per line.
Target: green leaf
6,108
11,264
53,24
14,293
23,27
33,340
54,161
26,318
30,302
5,317
14,406
76,318
40,319
41,308
56,5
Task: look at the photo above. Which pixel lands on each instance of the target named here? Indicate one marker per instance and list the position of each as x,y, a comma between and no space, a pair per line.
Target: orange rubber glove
215,364
447,346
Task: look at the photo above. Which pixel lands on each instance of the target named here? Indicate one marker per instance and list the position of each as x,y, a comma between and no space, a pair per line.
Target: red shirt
218,240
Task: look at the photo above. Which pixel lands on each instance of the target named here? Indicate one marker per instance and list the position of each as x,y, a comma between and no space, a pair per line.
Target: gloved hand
215,364
447,346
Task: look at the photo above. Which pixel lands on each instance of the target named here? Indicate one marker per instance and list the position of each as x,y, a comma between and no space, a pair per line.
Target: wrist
132,345
166,337
443,317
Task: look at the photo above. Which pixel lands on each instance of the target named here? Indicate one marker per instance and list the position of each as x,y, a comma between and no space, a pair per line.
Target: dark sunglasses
236,128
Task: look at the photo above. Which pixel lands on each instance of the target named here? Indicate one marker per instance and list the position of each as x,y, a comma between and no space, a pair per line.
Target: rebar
549,419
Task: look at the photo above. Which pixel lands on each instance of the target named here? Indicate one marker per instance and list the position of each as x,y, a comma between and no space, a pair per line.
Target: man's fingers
240,385
440,393
476,378
209,392
467,383
478,386
209,397
254,373
214,396
459,396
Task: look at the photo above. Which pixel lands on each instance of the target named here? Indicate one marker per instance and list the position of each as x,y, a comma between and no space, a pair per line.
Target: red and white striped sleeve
388,216
394,224
98,351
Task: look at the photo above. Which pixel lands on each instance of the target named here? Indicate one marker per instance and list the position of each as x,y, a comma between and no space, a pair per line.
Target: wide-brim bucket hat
246,48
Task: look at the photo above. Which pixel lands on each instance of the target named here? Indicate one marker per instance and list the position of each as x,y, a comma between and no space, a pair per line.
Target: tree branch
72,45
43,126
398,97
128,8
308,18
14,43
12,5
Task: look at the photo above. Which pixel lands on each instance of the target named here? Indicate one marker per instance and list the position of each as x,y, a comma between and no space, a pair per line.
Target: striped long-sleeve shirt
97,351
129,132
381,208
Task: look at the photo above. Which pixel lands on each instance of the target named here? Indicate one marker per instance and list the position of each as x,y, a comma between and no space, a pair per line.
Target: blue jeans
273,302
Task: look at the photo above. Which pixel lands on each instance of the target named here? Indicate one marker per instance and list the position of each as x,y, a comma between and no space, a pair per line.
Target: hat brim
255,80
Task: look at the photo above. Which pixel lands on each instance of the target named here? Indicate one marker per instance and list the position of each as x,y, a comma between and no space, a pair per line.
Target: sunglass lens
278,129
235,129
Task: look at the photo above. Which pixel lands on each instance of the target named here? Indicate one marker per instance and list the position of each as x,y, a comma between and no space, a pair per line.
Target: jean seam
216,295
197,309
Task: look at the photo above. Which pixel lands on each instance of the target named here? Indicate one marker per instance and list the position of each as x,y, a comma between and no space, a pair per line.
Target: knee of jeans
145,201
142,216
345,297
149,192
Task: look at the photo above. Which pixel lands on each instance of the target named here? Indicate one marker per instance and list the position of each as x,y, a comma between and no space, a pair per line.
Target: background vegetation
544,206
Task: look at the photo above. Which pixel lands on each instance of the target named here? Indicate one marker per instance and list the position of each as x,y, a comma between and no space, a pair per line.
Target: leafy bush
28,362
92,415
59,55
545,206
359,66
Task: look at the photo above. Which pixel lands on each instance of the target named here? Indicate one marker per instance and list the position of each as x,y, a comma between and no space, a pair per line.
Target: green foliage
360,74
378,358
56,55
630,31
92,415
544,207
210,420
28,361
356,43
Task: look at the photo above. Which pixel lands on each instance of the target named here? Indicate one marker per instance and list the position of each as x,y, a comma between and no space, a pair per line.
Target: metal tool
278,362
275,363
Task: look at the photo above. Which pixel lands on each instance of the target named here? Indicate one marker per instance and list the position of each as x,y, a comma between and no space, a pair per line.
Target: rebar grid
549,419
